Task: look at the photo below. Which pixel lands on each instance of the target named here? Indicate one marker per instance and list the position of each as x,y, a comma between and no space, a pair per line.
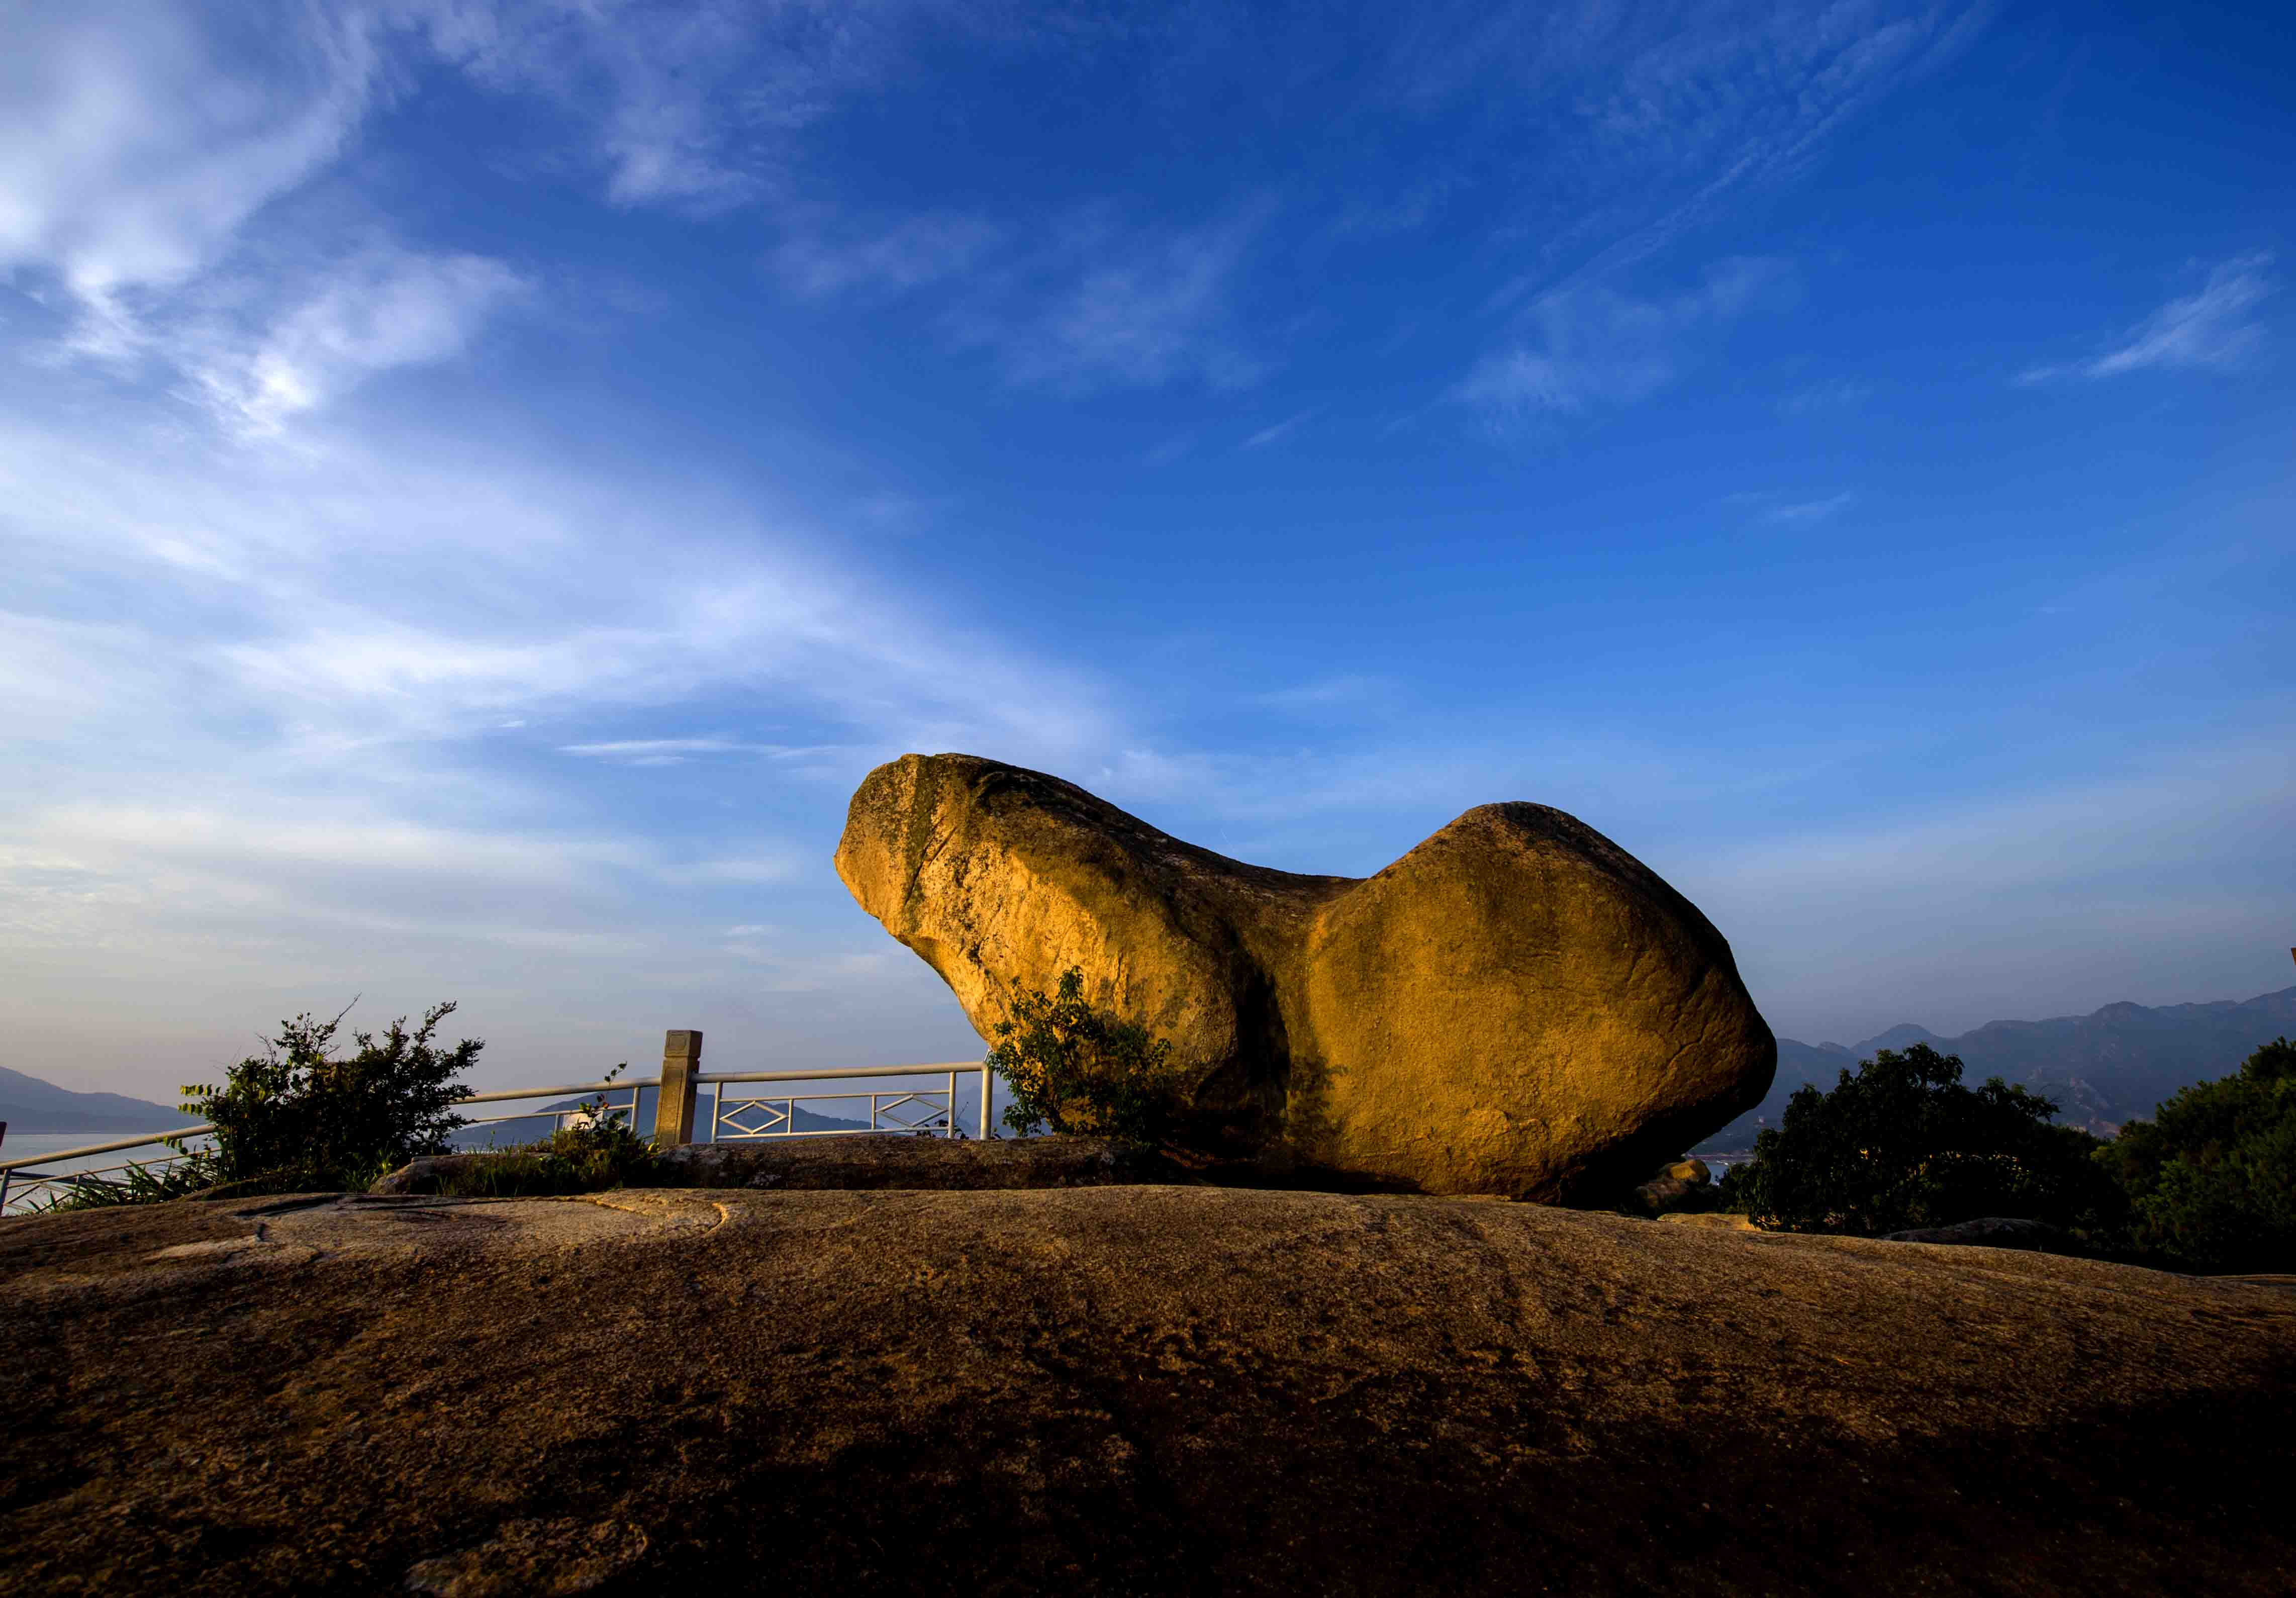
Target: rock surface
1112,1390
1987,1232
529,1559
1682,1185
859,1161
1515,1007
1724,1220
1663,1195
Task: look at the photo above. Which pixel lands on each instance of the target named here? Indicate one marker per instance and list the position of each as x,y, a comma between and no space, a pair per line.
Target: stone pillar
672,1111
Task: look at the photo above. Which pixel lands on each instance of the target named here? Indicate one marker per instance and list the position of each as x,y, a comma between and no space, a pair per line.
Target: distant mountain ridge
2104,1069
28,1104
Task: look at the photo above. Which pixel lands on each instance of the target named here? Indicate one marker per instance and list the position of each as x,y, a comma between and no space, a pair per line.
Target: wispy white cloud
741,869
1649,120
1836,394
674,751
1784,508
135,141
689,106
1089,302
816,264
147,149
1347,692
353,596
386,308
2213,329
1593,346
1110,306
277,715
1279,431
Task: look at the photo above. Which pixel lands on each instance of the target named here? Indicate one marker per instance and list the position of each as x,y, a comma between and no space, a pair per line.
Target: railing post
984,1133
673,1109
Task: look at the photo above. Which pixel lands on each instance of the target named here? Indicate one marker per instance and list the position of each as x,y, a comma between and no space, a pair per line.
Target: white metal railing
922,1111
37,1188
575,1115
919,1112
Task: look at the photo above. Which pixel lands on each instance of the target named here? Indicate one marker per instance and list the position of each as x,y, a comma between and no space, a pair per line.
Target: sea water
41,1145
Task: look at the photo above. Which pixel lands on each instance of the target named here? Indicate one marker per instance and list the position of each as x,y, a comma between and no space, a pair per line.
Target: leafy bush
1902,1144
1073,1069
298,1118
2211,1177
602,1151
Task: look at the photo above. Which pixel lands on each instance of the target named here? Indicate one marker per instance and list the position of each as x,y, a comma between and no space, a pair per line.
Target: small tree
1074,1068
2211,1177
1902,1144
297,1117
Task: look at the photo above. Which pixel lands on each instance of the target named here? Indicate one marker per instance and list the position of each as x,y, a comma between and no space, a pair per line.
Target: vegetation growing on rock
299,1117
1073,1069
1901,1143
2211,1177
598,1152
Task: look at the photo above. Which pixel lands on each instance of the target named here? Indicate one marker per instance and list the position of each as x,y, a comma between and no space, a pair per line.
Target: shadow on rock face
1517,1006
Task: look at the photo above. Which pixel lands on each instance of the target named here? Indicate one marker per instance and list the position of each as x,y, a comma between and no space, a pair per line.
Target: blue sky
483,482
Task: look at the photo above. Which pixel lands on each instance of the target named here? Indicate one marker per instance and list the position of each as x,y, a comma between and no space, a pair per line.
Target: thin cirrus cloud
2214,329
144,147
1091,302
823,259
1834,394
135,143
384,308
677,752
1141,318
1587,347
690,106
1650,122
1781,508
1276,432
344,600
318,633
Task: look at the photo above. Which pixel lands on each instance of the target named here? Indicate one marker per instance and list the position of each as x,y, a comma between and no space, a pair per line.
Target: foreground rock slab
1516,1007
853,1161
1112,1389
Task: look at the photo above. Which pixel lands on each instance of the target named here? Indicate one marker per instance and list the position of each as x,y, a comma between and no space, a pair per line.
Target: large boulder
1516,1007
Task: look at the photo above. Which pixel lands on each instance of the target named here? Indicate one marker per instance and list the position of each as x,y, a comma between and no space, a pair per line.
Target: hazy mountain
2111,1066
28,1104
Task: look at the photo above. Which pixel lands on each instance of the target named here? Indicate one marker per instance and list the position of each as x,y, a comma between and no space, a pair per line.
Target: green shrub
1902,1144
147,1183
298,1118
2211,1177
604,1152
1073,1069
